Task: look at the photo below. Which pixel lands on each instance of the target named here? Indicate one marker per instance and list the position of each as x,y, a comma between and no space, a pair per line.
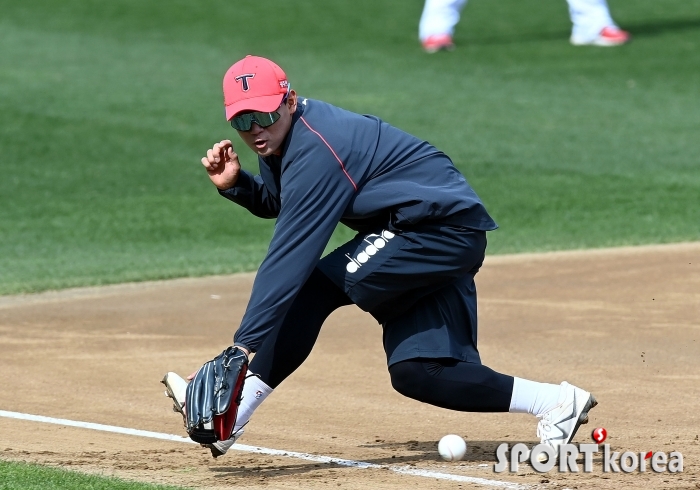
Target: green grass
106,108
23,476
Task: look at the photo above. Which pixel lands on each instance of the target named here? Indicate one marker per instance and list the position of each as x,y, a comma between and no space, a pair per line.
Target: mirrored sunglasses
244,122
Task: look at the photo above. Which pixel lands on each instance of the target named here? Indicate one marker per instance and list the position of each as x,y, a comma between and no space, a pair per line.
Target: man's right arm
239,186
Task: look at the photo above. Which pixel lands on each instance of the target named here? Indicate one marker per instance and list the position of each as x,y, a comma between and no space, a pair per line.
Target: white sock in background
533,397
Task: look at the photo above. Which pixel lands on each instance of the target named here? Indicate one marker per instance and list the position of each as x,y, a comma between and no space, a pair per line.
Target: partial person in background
592,24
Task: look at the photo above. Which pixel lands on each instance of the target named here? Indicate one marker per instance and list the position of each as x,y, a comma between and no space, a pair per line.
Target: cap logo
244,80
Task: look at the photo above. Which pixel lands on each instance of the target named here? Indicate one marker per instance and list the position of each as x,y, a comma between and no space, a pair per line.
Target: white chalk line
404,470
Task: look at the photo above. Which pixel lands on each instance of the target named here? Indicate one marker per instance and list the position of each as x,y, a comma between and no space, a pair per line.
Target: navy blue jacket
338,166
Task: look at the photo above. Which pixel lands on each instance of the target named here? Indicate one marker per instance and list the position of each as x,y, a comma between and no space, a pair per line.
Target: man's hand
222,165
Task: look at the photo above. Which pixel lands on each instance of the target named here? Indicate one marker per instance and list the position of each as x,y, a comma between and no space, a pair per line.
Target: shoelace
544,425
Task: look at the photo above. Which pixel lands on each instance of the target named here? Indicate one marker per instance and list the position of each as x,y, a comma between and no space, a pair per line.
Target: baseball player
592,24
421,238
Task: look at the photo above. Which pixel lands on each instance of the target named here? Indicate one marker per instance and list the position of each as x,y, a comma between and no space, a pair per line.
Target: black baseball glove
213,396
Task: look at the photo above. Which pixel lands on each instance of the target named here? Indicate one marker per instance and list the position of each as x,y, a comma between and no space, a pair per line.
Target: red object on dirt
599,435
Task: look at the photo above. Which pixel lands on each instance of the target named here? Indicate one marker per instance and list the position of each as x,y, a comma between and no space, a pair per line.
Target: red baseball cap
254,84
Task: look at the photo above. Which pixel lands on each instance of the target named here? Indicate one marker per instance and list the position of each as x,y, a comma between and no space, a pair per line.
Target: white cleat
220,448
176,390
559,425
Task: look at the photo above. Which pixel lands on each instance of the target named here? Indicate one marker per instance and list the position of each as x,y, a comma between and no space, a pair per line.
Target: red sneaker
608,36
438,42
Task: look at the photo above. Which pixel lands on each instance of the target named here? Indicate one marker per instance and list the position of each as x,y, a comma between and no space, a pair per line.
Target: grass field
22,476
106,108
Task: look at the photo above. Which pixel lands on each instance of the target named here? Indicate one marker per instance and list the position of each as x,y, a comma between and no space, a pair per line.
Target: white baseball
452,447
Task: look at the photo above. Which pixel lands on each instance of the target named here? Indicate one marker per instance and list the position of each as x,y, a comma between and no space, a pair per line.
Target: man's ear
292,101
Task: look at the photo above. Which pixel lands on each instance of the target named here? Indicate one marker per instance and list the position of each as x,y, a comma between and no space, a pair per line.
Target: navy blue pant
419,284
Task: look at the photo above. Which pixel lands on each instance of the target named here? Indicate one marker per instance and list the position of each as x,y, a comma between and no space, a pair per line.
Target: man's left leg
452,384
470,387
459,381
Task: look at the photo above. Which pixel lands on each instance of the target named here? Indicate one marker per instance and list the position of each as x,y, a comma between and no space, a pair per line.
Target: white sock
533,397
254,393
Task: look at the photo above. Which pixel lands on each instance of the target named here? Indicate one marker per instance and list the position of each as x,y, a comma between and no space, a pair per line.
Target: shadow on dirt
404,454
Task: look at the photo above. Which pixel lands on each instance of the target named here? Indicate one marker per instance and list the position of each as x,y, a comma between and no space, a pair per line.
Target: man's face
268,141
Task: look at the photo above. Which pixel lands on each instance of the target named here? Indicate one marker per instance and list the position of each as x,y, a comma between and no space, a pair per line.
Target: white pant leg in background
439,17
589,17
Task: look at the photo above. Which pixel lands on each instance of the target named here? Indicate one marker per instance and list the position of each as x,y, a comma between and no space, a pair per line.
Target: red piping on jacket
342,166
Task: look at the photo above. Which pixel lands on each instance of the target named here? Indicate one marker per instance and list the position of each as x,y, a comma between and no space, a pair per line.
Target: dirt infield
623,323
